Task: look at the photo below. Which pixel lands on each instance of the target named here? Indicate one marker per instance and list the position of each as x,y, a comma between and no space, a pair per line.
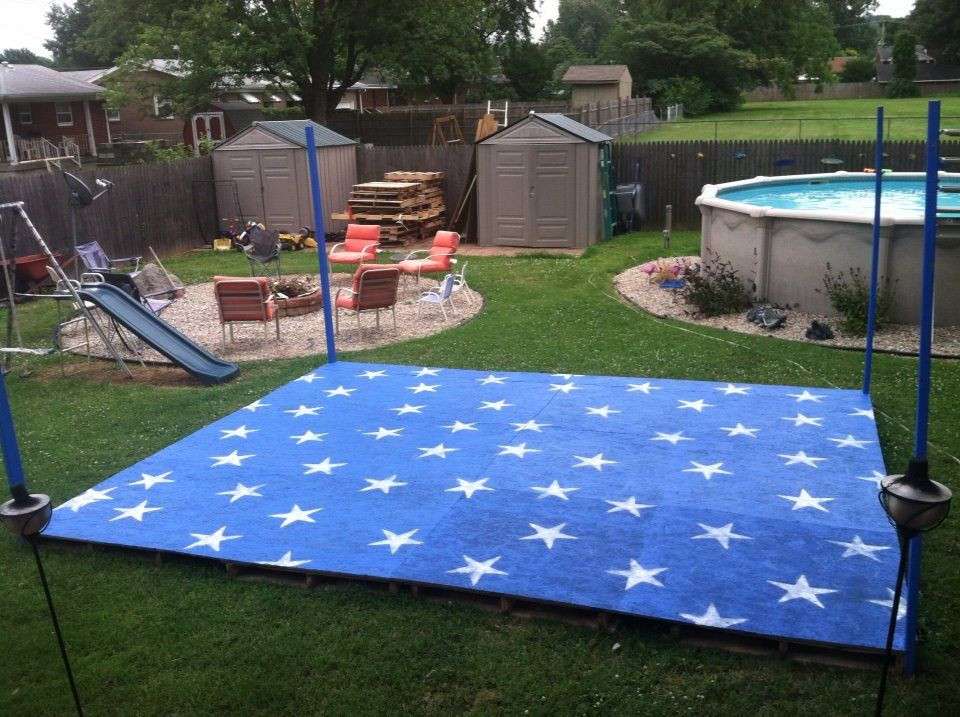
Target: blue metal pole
8,440
321,242
923,363
875,255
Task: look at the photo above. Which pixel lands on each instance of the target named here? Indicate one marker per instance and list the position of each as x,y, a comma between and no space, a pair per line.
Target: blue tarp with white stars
737,506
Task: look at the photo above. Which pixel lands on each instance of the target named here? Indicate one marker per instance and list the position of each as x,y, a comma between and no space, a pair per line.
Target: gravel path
635,286
196,316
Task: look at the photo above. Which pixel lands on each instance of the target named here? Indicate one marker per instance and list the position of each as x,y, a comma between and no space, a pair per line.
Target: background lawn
810,119
183,639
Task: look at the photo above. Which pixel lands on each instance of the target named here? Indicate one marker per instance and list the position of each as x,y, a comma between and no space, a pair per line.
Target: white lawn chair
439,295
460,284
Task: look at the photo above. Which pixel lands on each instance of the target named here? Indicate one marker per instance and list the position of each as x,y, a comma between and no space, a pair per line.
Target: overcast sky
24,22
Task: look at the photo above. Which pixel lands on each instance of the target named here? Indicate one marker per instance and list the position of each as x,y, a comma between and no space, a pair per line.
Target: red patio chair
439,257
374,288
241,299
359,245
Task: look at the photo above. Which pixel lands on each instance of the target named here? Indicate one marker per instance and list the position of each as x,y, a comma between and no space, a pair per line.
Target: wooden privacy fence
169,206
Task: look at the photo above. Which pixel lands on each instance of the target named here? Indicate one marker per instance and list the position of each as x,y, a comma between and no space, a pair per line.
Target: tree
904,66
853,24
937,23
585,23
69,25
858,69
528,67
24,56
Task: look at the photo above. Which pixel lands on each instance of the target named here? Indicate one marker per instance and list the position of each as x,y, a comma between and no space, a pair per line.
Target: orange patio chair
241,299
439,258
359,246
374,288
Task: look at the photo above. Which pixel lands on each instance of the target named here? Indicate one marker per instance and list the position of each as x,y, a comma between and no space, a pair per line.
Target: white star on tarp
309,378
801,590
801,420
384,484
476,569
553,490
645,387
723,535
596,462
426,372
242,491
901,608
135,512
457,426
800,458
805,500
397,541
296,515
372,374
603,411
858,547
567,376
241,432
309,436
806,396
324,466
564,387
469,487
630,505
252,407
286,561
233,459
495,405
866,412
438,450
519,451
697,405
304,411
849,442
638,574
491,379
530,425
384,433
708,471
711,618
732,389
740,430
407,408
549,535
424,387
875,478
148,481
212,540
339,391
673,438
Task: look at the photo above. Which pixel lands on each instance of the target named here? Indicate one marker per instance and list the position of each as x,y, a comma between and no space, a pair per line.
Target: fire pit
303,297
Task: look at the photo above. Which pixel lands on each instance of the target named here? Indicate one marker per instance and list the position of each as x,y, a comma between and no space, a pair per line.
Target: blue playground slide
157,333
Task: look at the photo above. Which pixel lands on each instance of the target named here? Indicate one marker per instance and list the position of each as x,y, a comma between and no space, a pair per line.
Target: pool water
901,196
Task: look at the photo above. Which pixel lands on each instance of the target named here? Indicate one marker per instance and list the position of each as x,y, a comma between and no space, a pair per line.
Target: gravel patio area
195,315
634,285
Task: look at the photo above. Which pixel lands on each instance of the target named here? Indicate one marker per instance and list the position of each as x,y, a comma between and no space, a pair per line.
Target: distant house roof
885,54
295,131
594,74
89,75
926,72
837,64
36,82
240,114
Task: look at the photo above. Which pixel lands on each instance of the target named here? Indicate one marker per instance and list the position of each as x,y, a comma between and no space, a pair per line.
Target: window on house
26,114
113,115
250,99
162,107
64,114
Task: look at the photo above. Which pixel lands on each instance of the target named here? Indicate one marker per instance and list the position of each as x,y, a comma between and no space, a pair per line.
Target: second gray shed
268,165
539,184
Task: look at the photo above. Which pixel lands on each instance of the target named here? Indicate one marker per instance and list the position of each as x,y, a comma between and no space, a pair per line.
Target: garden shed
540,184
267,162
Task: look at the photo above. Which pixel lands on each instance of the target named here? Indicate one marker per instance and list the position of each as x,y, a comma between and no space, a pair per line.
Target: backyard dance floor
746,508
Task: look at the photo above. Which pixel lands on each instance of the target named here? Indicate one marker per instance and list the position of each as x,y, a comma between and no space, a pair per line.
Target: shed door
244,169
553,205
510,195
280,200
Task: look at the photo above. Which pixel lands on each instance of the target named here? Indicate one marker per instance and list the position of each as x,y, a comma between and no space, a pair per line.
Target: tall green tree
528,68
24,56
853,23
937,24
904,66
585,23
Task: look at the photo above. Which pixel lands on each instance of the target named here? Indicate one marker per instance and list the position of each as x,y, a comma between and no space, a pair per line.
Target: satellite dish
80,194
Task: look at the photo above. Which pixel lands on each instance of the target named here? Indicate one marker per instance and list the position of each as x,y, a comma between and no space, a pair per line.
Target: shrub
717,289
858,69
851,299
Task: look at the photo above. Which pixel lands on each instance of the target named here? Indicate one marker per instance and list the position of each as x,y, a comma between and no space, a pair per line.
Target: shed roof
594,74
295,131
36,82
561,122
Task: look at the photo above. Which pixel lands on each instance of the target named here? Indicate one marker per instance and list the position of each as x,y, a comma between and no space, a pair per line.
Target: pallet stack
408,206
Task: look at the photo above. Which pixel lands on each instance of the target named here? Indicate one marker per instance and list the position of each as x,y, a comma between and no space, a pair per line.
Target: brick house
46,114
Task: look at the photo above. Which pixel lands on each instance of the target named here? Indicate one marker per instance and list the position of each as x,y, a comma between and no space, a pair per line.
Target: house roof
295,131
241,114
89,75
885,53
926,72
36,82
594,74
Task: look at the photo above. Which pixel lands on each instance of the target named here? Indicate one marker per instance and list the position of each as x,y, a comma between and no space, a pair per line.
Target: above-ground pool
782,233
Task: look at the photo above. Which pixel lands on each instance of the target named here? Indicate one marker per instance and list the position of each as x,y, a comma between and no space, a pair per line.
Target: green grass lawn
810,119
184,639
